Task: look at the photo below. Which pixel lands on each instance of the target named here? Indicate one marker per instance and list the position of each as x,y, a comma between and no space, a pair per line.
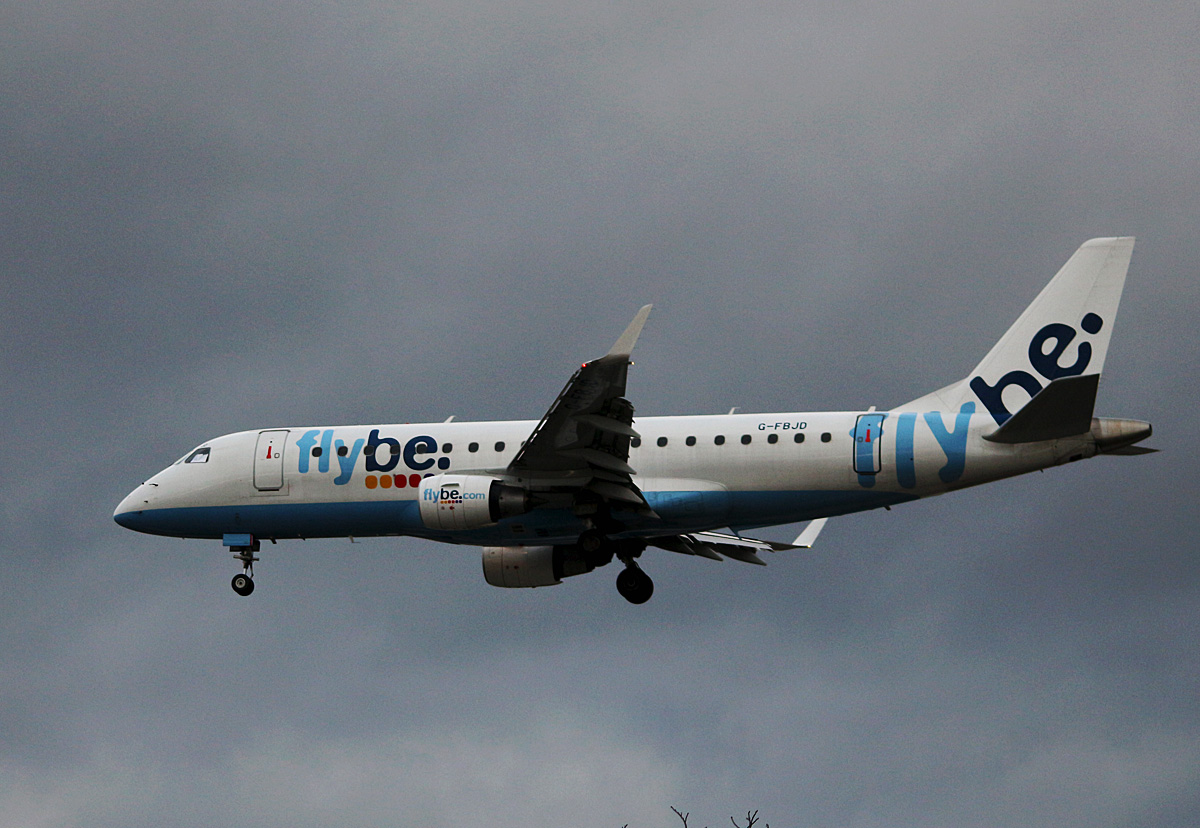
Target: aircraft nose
129,511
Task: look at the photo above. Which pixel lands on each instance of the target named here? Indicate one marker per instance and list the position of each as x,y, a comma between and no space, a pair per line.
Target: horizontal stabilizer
809,536
1132,451
1061,409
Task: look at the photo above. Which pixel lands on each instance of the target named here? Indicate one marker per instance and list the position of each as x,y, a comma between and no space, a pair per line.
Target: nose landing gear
243,584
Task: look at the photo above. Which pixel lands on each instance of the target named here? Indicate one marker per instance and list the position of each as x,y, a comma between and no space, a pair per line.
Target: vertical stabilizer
1063,333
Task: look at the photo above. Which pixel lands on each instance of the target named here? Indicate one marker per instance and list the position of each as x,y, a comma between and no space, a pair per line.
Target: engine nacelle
468,501
534,566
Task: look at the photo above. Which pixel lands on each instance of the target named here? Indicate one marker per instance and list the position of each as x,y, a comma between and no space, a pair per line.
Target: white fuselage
696,472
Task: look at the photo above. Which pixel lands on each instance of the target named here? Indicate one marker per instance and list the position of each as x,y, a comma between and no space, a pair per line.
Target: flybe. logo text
380,454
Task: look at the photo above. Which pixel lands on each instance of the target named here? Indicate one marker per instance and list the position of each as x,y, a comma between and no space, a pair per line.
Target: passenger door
868,433
268,460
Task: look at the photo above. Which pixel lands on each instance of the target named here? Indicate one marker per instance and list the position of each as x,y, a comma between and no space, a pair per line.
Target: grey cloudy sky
220,216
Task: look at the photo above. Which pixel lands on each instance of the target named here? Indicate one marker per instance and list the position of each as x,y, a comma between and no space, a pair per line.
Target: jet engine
457,501
534,566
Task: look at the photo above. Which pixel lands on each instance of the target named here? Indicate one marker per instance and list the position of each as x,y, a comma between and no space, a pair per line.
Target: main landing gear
634,585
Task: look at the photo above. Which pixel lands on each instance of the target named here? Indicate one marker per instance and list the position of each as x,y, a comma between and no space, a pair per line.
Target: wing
580,449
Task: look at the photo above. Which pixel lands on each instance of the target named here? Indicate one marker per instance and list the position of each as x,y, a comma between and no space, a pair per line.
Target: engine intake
457,501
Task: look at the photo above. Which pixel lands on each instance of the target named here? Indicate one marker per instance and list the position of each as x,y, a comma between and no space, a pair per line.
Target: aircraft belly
752,509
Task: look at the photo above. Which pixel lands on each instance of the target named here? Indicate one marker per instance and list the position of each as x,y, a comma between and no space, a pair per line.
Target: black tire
242,584
635,586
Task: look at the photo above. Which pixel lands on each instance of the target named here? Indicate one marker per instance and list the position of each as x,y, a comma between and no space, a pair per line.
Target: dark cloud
218,217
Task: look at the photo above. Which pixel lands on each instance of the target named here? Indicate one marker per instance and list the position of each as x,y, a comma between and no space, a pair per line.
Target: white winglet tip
624,345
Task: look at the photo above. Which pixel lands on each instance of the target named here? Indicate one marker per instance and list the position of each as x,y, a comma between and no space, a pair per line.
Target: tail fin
1063,333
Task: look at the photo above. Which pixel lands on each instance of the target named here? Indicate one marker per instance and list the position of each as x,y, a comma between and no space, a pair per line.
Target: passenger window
772,438
662,441
826,437
799,438
474,447
316,451
691,441
447,448
635,442
719,440
200,455
500,446
745,439
343,451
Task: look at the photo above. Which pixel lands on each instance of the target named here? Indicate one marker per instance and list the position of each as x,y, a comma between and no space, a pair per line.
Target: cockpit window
200,455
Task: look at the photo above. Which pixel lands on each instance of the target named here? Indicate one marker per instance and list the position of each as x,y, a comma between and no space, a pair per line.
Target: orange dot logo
385,481
371,482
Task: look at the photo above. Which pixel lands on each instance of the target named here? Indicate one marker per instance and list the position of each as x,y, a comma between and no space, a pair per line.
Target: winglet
624,345
809,536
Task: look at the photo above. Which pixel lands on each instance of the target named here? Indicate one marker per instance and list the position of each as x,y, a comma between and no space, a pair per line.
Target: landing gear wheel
634,585
244,584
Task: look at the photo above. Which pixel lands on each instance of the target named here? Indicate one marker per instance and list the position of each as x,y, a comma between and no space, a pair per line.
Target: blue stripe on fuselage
678,512
279,520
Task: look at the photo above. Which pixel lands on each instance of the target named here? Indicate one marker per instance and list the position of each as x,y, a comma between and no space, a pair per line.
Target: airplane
588,483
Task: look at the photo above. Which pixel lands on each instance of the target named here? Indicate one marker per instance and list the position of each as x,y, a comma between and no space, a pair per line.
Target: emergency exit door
868,443
268,460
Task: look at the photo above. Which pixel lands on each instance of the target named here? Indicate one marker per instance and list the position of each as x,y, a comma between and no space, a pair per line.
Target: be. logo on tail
1045,362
